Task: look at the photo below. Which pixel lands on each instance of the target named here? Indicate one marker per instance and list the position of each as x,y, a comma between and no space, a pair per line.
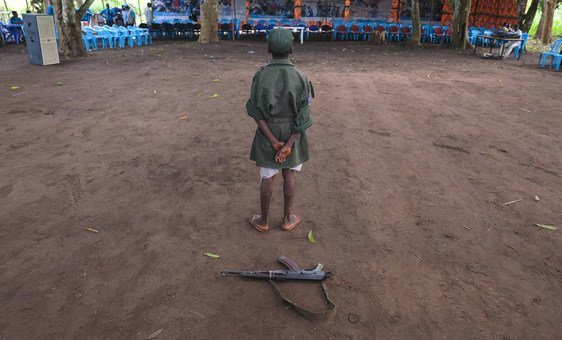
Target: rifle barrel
305,275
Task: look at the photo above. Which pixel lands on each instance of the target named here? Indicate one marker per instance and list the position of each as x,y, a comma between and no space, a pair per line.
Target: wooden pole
140,11
234,28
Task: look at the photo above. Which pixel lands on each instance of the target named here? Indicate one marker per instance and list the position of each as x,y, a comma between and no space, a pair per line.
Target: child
280,104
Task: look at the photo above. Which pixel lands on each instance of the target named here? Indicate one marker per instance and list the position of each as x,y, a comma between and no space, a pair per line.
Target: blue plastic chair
136,35
226,29
103,37
2,34
554,50
341,31
557,60
485,41
393,33
145,34
260,28
473,38
89,39
366,32
519,51
426,33
312,29
124,37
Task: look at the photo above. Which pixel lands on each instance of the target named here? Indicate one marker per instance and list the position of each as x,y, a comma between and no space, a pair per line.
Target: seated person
119,19
505,27
510,45
15,19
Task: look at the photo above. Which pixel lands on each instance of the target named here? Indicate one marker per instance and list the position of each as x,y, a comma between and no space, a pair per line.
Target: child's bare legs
290,220
266,190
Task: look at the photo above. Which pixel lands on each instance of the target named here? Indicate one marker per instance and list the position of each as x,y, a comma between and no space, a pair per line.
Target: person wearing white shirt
510,45
149,14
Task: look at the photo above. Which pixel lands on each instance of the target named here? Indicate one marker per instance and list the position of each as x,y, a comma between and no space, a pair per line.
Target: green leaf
213,256
546,226
13,88
216,80
213,95
311,237
155,334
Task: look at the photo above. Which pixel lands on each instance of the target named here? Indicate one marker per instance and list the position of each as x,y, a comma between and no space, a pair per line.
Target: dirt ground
413,154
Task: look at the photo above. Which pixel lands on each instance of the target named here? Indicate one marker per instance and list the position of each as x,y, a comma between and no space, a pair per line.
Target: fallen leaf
213,95
213,256
155,334
546,226
59,83
183,117
311,237
353,318
524,109
91,230
216,80
13,88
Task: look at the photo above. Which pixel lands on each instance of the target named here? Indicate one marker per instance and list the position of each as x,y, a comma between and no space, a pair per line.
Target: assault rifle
293,272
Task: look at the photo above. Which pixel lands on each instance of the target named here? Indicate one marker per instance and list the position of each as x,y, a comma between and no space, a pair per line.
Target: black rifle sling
323,315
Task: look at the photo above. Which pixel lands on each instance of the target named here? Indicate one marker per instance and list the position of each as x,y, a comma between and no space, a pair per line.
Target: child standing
280,104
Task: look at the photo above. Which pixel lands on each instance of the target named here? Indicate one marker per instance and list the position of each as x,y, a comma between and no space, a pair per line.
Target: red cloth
492,13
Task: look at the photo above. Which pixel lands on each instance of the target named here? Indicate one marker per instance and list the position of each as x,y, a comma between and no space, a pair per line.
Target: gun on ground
293,272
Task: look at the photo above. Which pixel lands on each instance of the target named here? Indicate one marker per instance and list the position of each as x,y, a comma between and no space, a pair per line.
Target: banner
492,13
447,16
254,10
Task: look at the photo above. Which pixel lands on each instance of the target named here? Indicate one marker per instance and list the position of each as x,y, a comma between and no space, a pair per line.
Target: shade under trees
526,17
209,20
544,30
69,26
415,38
461,14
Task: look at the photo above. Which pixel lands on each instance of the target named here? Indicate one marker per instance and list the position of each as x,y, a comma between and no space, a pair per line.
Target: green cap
280,40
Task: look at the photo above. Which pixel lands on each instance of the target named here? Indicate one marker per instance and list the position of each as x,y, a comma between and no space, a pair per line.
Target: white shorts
268,173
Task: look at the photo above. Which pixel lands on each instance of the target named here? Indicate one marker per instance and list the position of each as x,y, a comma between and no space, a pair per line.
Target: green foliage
37,6
557,23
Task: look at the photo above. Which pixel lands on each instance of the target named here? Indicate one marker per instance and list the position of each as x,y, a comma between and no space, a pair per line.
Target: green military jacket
281,96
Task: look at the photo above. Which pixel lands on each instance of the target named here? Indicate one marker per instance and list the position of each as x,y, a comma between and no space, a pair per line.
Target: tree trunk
460,23
209,22
416,25
538,33
70,27
547,21
526,20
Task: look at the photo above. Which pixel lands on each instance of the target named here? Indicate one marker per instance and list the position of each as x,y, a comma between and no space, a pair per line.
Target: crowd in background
124,16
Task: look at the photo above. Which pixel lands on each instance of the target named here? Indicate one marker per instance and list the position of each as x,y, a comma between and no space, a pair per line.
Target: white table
297,28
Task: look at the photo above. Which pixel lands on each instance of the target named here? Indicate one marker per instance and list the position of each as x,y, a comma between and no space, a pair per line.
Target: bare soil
414,151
